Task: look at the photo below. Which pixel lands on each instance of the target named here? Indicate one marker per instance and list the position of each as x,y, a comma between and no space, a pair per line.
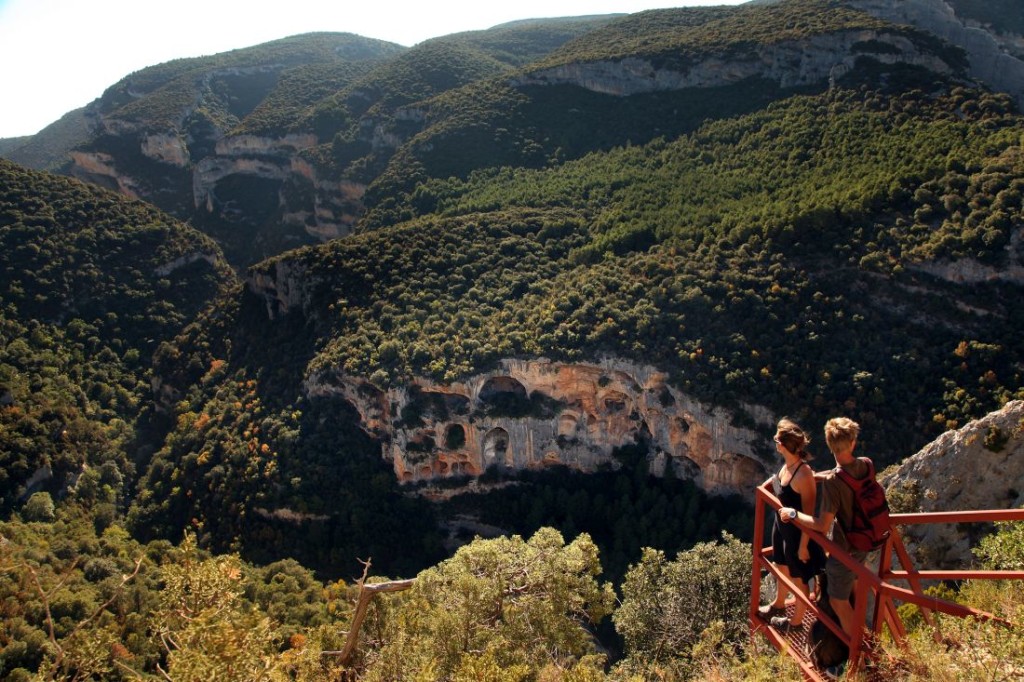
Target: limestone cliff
790,64
980,466
280,287
529,414
100,169
994,59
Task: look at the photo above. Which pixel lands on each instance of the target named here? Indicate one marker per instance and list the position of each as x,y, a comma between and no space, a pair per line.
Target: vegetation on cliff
159,96
682,36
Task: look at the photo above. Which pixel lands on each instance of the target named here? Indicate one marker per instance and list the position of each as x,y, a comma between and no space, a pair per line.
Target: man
837,502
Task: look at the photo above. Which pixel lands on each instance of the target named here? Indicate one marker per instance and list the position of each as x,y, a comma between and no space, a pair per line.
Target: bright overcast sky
59,55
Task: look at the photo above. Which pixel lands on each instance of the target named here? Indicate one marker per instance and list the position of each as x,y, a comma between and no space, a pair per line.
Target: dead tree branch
366,595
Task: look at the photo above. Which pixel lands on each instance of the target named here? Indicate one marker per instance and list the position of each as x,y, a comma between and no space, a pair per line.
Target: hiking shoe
782,624
769,610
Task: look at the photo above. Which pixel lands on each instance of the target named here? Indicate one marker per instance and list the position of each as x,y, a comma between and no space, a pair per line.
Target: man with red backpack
852,497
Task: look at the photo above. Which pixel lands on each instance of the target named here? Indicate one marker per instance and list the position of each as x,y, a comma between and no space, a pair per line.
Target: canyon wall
531,414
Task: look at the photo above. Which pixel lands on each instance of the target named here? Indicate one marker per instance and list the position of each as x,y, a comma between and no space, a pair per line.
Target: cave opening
496,448
454,436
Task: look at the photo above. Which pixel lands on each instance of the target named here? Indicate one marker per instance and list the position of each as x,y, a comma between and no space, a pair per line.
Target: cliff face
994,58
980,466
790,64
534,413
530,414
322,209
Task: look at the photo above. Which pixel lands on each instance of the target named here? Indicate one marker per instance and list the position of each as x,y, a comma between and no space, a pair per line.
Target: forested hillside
787,208
91,283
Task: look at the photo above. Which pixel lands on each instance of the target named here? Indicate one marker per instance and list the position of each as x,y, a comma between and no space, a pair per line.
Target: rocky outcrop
980,466
790,64
100,169
971,271
329,209
281,287
169,148
290,516
989,60
187,259
243,145
530,414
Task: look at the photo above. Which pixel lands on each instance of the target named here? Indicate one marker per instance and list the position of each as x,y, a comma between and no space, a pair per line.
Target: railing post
755,580
860,614
881,602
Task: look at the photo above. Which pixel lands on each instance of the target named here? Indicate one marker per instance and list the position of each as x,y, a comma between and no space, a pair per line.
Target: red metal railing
878,583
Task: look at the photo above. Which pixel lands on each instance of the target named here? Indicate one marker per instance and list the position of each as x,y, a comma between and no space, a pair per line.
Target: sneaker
834,672
782,624
768,610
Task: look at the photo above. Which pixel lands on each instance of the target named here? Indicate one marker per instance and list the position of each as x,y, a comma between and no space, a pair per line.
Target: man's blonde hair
840,433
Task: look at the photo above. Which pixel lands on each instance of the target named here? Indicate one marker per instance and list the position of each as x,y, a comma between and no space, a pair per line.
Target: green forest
185,495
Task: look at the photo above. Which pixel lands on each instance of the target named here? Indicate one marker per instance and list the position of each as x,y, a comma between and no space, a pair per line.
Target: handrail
972,516
877,583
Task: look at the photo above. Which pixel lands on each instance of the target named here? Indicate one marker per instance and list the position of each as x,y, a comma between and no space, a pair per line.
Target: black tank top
788,496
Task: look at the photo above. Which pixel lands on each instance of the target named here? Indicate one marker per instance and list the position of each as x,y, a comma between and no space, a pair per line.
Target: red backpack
870,526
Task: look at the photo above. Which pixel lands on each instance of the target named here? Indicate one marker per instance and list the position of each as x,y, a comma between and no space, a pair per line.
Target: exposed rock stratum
531,414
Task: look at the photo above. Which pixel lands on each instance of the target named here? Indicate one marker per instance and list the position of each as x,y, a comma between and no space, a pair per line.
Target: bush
668,605
39,508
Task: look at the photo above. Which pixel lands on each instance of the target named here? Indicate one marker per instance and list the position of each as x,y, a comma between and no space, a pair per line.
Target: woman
793,552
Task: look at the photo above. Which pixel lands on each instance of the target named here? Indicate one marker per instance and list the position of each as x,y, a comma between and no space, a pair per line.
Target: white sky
59,55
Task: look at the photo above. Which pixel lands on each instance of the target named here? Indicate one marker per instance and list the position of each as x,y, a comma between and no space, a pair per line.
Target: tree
668,605
209,631
519,606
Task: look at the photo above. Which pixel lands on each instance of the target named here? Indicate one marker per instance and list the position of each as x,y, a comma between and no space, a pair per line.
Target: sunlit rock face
996,58
790,64
530,414
166,148
280,287
979,466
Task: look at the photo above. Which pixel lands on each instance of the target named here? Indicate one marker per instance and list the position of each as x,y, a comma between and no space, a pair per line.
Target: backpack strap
855,483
